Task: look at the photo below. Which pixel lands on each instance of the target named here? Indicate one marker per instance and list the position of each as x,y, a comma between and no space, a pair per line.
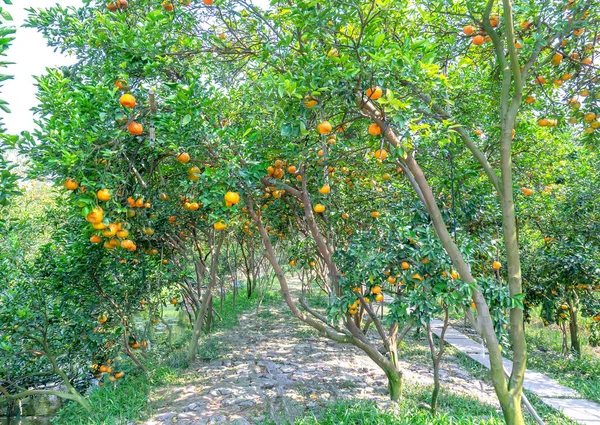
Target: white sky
31,56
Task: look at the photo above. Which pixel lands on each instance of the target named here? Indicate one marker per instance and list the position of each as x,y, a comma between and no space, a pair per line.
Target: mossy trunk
394,384
513,414
574,328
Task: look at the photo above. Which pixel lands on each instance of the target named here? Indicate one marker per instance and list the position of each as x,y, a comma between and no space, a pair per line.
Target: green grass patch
128,400
110,405
543,355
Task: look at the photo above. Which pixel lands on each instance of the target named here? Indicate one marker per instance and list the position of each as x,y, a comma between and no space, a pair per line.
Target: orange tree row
240,90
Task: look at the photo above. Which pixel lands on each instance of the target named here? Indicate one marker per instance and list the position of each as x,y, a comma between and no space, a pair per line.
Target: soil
274,367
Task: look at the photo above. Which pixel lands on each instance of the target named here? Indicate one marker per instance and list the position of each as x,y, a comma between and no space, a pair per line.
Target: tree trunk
574,328
193,348
513,414
394,384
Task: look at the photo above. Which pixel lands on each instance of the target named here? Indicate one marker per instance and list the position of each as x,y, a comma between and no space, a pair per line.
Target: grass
581,374
549,415
415,350
453,409
110,405
128,401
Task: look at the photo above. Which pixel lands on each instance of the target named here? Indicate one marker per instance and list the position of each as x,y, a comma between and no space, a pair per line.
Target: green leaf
379,39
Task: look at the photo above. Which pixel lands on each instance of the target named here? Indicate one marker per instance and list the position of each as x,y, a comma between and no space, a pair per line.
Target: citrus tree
8,179
243,89
561,246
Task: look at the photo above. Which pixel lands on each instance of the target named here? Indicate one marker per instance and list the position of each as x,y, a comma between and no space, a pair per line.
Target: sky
31,56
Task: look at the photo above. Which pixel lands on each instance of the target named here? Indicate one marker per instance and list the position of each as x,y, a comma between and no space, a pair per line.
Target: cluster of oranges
376,290
119,4
128,101
190,206
138,203
276,170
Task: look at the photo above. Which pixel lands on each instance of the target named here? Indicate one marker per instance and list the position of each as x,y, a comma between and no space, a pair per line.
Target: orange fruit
127,244
95,239
375,214
232,197
541,80
167,6
208,2
122,4
310,103
525,25
529,99
526,191
586,61
70,184
454,275
324,127
119,375
376,289
183,158
292,169
381,154
220,225
405,265
103,195
478,40
325,189
374,93
164,196
332,53
557,58
469,29
319,208
379,298
135,128
127,100
374,129
496,265
122,234
102,319
543,122
121,84
95,216
112,7
494,20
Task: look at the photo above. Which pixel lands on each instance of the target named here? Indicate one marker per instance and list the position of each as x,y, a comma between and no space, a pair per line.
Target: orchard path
555,395
273,367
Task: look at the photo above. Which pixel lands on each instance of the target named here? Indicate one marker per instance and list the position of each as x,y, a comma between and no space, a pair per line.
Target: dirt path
273,367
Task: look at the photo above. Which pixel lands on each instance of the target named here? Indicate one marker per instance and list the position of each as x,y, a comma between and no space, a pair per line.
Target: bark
436,358
574,328
82,401
206,301
484,321
351,335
